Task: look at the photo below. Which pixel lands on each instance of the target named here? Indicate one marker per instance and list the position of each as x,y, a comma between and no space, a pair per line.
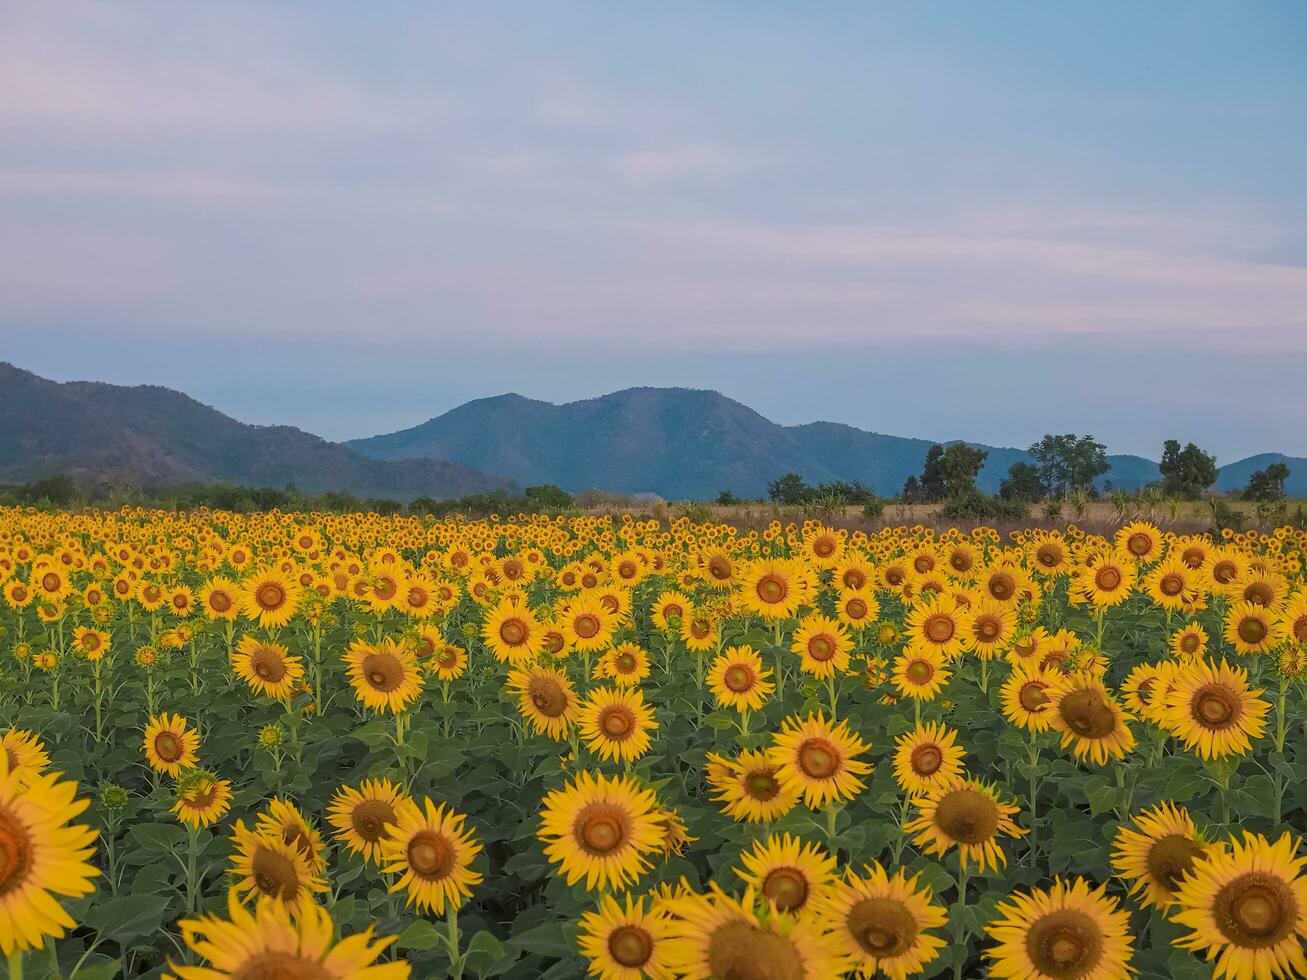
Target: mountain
1234,476
677,442
152,436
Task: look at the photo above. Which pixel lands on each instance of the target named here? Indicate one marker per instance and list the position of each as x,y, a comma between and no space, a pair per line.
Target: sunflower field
302,746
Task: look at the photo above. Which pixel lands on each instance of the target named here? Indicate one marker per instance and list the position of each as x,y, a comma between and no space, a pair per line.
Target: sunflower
1155,854
774,589
1250,627
546,699
1005,582
1105,580
668,610
699,631
272,943
42,856
1067,930
615,723
823,646
283,819
50,583
966,814
818,759
93,644
19,595
1172,584
738,679
857,609
853,574
448,663
721,938
920,674
513,634
882,922
432,851
749,788
202,799
1049,554
365,817
1189,642
23,753
268,668
270,598
787,872
926,757
600,829
1265,588
170,745
938,625
1247,907
718,568
271,871
626,942
1211,709
587,624
625,664
989,629
1089,719
384,675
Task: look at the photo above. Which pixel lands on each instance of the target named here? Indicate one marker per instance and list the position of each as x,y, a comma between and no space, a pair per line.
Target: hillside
152,436
677,442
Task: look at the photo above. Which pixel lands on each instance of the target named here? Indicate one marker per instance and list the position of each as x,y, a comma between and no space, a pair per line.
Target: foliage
1022,483
1267,484
1186,472
1069,462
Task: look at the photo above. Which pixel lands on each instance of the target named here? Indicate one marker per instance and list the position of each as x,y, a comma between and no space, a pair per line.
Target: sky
981,221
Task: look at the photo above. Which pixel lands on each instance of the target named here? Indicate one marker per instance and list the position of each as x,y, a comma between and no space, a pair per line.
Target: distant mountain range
149,436
678,443
689,444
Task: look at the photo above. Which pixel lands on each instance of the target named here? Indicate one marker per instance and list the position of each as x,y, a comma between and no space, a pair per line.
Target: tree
959,466
912,492
1186,472
1022,483
58,490
726,498
1069,462
932,475
1267,486
789,489
548,495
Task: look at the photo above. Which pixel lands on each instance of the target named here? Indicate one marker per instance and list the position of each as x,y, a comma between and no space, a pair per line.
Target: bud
270,736
113,797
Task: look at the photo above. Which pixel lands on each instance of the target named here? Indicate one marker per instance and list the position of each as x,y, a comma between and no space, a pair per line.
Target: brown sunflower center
383,672
586,626
1252,630
740,951
275,874
617,722
762,785
430,855
1190,643
1172,857
51,582
884,927
819,759
548,696
1139,544
1256,910
1171,584
168,747
601,828
823,547
513,632
1032,696
856,609
895,575
853,578
737,678
1260,593
967,815
1064,944
988,628
625,662
1215,706
268,665
385,587
219,602
926,760
273,965
719,568
1002,586
771,588
270,595
15,853
1108,578
919,672
1048,555
630,946
1087,714
370,819
940,628
821,648
627,569
960,560
787,887
553,642
1224,572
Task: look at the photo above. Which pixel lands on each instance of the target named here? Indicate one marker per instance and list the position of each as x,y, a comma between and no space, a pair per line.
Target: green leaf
128,917
420,934
483,952
100,971
159,837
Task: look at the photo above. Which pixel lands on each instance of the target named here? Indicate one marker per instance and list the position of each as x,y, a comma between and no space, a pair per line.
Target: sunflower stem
16,965
1034,799
455,961
959,926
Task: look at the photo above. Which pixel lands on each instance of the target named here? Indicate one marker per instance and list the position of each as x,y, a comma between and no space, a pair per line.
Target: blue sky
980,221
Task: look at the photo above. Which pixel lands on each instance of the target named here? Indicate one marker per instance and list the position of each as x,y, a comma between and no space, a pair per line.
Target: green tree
1022,483
932,475
548,495
1186,472
959,467
789,489
1069,462
726,498
1267,486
